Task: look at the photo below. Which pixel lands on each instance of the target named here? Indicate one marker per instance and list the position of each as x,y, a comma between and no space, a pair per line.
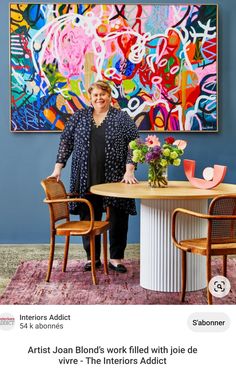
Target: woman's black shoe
119,268
87,266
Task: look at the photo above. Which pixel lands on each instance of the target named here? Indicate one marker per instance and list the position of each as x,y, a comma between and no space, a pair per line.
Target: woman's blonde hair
101,85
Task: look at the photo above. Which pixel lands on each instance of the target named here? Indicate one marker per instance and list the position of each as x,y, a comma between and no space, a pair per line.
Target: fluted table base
160,268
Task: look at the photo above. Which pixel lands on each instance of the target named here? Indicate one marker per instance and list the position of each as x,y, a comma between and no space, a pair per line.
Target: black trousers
118,228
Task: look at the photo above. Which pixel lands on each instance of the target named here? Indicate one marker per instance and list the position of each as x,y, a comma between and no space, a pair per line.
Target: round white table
160,261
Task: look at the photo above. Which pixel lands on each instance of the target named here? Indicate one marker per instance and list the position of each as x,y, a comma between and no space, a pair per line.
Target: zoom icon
219,286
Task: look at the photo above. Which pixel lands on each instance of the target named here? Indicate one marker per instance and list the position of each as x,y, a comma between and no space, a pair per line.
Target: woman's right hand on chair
56,172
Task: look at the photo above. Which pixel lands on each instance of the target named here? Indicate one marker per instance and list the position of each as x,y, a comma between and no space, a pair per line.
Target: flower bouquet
157,156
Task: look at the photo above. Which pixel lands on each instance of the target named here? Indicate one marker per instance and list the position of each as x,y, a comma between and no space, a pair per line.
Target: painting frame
31,111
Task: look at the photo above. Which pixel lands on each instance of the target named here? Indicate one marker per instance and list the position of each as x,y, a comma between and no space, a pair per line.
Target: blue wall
27,158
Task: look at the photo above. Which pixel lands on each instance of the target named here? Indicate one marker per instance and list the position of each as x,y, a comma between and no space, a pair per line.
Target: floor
12,255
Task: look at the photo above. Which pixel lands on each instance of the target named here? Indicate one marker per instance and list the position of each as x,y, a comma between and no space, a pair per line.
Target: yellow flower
133,145
174,155
176,162
137,155
163,162
166,152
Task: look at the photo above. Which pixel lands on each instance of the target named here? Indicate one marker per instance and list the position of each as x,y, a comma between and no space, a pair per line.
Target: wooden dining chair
58,199
220,239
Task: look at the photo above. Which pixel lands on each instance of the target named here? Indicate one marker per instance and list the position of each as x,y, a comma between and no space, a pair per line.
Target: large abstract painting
161,62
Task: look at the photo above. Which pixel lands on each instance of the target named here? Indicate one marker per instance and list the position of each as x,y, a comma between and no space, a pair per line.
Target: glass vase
157,176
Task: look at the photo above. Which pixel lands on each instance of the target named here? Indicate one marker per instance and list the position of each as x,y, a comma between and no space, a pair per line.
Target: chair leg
184,264
92,254
105,252
225,265
66,250
51,256
209,295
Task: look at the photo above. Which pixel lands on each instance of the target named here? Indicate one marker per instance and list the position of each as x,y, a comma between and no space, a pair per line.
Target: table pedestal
160,268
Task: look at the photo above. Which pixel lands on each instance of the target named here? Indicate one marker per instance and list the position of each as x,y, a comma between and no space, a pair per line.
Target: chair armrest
65,200
190,213
202,215
195,214
81,200
185,212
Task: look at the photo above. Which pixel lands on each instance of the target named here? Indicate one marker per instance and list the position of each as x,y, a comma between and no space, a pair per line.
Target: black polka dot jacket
75,139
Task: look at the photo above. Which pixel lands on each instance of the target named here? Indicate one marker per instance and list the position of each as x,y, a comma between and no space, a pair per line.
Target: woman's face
100,99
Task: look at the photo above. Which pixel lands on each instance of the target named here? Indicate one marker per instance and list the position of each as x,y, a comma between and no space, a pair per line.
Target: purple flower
149,157
153,154
157,150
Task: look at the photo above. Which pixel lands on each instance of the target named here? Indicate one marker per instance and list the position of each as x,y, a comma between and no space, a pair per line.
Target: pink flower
180,144
152,141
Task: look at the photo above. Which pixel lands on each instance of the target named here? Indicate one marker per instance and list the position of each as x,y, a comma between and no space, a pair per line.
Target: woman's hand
56,172
129,177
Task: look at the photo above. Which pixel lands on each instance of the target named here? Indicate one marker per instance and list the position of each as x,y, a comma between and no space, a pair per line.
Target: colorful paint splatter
161,61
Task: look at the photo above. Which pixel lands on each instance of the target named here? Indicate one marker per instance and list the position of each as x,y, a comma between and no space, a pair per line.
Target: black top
96,163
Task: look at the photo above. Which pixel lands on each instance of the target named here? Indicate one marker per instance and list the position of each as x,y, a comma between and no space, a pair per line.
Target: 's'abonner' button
208,322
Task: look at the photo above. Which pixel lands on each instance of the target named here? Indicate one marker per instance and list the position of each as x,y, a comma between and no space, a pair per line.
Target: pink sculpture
218,175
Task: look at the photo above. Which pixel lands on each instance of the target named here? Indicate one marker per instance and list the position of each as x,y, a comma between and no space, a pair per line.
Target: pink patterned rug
75,286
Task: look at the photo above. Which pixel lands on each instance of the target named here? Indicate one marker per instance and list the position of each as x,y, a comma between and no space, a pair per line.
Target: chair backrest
55,190
223,230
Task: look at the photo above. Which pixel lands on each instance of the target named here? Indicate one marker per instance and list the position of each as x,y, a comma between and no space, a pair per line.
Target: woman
98,138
